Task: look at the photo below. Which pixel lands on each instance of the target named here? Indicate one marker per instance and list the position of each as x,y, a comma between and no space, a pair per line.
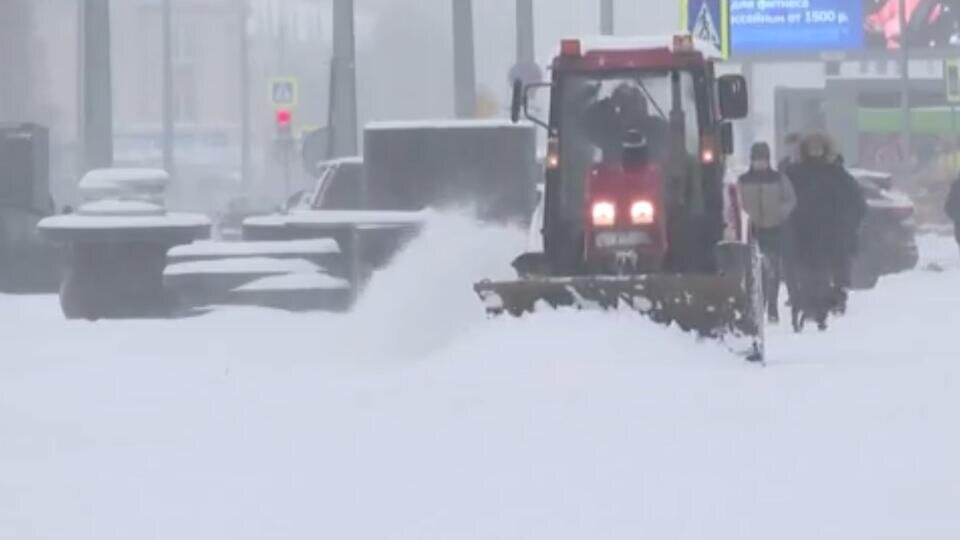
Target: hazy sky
405,47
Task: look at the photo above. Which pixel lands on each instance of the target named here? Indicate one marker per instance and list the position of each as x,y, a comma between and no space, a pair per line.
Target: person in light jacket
769,200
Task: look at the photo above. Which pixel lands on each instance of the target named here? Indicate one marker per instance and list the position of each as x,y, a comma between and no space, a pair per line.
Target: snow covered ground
416,417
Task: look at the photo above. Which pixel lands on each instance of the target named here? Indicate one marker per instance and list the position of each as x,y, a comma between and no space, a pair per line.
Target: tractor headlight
642,213
604,214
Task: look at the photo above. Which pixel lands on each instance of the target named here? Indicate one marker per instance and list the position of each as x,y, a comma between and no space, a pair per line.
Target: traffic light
284,122
284,143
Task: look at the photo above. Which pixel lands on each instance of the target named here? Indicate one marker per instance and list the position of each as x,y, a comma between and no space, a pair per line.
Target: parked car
370,206
338,187
888,237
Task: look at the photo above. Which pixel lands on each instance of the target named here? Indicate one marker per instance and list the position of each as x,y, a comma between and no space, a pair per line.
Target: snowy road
395,422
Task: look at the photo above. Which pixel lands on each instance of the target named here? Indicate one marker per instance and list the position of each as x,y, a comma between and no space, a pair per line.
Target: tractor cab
637,134
635,211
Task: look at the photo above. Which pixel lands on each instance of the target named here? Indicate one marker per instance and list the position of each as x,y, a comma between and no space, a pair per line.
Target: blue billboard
763,26
751,27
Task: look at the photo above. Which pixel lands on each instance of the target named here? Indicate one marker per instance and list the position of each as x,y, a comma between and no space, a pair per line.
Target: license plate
613,239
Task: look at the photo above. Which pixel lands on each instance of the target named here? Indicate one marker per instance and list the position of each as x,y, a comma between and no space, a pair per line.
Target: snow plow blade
710,305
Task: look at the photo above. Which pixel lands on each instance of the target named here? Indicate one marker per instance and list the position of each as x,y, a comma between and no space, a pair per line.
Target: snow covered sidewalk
399,422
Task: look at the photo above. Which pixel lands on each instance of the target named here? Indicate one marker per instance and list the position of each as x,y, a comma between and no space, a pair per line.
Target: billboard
932,24
816,26
765,26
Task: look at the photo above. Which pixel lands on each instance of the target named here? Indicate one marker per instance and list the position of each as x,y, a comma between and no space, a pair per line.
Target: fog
404,71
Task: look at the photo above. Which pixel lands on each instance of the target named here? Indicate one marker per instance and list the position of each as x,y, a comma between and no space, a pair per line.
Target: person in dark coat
852,209
953,208
622,120
769,199
814,241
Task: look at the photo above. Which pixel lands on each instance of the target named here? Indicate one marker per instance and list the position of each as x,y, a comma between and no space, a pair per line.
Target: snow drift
417,417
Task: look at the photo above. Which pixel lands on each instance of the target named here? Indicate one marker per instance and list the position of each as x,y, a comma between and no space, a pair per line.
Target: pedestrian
812,243
953,208
851,211
769,200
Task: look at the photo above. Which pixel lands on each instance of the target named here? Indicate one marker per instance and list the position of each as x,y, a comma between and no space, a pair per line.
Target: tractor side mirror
521,102
732,93
519,96
726,138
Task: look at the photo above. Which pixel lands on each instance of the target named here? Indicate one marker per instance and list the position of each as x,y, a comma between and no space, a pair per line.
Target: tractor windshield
635,116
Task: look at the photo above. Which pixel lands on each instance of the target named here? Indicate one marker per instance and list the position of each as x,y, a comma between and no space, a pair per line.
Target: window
603,117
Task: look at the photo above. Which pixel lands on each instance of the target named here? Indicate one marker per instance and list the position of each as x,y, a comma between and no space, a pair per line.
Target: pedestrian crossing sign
708,20
284,92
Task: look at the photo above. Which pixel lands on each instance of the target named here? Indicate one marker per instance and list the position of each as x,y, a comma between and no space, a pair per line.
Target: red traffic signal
283,117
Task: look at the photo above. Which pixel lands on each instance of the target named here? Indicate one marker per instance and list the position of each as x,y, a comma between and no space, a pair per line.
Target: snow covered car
334,209
338,186
312,255
327,242
888,237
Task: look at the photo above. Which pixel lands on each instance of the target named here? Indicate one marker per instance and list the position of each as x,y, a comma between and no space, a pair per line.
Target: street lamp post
168,113
906,128
243,13
465,78
606,17
344,74
525,32
97,98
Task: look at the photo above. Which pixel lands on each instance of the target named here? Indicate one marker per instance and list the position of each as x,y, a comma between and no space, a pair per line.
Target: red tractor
636,211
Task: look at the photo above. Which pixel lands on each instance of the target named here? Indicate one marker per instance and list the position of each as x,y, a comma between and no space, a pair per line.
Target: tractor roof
608,53
646,43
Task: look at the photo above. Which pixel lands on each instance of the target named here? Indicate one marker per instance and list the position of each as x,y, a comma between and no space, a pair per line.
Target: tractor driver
620,125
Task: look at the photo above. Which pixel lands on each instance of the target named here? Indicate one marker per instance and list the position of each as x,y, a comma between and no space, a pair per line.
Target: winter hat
760,152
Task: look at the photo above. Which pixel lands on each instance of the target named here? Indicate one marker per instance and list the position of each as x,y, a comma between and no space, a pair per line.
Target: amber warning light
683,43
570,47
